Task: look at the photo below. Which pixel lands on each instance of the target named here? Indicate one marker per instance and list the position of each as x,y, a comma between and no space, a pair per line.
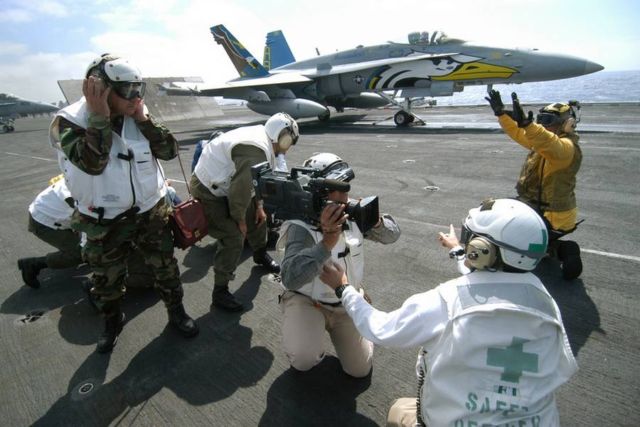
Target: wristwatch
456,252
340,289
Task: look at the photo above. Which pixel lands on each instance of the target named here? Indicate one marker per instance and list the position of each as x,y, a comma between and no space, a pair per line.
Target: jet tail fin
246,64
276,51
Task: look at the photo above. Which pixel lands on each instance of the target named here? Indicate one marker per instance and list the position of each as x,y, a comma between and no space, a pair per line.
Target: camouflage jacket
88,149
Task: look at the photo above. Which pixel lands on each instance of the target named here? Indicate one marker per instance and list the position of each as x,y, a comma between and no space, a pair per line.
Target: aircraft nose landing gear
402,118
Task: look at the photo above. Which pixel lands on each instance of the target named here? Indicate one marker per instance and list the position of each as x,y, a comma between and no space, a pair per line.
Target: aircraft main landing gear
324,117
402,118
7,124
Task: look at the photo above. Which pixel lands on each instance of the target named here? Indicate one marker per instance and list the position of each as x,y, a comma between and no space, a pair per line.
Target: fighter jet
11,107
374,76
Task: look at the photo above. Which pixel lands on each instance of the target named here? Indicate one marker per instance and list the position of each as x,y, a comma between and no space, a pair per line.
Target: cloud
49,7
16,16
12,49
34,76
28,11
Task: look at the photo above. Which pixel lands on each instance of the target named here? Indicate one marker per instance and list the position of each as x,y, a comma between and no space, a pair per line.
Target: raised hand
518,113
96,92
495,101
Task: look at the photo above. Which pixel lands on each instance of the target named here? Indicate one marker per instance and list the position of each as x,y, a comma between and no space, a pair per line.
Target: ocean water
603,86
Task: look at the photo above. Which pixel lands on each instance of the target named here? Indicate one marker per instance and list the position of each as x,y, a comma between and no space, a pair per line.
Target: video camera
304,192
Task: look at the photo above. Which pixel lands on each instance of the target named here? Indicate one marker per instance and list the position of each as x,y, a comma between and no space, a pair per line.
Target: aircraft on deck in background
374,76
12,107
277,51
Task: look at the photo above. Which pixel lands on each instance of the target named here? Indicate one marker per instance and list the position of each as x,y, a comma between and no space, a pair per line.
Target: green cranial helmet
517,231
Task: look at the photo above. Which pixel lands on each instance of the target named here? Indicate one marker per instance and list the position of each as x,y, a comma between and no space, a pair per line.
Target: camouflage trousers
225,230
110,245
67,242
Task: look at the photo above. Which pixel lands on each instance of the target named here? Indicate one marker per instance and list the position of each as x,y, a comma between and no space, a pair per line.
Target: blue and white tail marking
276,51
246,64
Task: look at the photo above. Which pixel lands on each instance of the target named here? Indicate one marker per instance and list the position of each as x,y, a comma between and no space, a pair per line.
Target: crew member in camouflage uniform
108,150
222,182
50,221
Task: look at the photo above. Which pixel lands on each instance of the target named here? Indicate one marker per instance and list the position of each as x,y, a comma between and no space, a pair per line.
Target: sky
43,41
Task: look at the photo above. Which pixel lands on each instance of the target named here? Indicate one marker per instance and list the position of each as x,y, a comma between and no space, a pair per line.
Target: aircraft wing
327,69
232,87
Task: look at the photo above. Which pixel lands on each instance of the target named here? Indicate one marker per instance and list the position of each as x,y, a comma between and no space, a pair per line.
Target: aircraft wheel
402,118
5,128
324,117
11,129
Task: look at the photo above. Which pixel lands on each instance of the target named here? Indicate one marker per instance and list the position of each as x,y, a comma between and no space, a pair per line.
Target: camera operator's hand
518,113
331,220
333,274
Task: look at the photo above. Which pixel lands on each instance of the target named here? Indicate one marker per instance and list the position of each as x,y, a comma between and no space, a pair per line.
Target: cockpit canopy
437,38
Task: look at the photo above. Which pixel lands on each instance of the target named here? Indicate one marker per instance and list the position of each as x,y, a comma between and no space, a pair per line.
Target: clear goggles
129,90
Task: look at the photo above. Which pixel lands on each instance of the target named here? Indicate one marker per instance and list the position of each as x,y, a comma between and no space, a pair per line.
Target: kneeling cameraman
309,306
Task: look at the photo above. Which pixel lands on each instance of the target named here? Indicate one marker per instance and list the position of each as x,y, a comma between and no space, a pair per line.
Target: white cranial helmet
114,69
330,166
124,78
516,229
282,129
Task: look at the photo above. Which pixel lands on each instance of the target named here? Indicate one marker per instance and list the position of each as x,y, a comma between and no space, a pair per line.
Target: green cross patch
513,359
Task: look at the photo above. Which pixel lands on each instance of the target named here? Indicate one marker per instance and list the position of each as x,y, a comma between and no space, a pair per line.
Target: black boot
113,323
569,255
222,298
30,267
262,258
179,319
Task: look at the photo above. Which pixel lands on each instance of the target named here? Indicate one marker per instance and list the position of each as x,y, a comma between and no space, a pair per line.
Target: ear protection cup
569,125
285,140
480,253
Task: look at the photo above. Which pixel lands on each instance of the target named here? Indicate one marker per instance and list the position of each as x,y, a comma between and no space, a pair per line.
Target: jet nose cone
592,67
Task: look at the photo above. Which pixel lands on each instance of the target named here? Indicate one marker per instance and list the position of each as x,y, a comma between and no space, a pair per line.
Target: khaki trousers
402,413
303,326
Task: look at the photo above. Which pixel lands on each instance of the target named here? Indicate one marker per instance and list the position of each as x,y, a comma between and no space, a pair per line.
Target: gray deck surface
235,373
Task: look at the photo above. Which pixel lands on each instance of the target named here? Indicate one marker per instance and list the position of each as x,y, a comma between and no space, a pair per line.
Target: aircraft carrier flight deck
234,373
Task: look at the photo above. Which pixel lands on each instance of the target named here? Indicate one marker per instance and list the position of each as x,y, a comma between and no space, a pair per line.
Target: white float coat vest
500,357
348,252
123,184
215,167
50,208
